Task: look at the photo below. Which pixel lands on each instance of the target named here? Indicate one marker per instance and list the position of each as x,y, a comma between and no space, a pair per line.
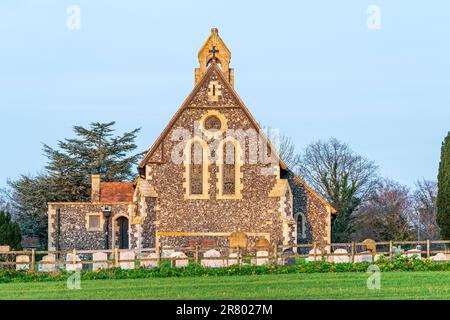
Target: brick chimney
95,188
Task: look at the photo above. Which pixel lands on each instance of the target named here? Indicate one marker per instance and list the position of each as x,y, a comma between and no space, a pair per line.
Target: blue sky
310,68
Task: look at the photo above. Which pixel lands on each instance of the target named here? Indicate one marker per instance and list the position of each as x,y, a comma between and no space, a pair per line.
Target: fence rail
353,252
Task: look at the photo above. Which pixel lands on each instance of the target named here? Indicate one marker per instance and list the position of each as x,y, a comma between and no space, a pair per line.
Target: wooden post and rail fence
274,253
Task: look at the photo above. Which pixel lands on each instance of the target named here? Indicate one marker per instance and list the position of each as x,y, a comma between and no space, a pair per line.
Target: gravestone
439,257
49,263
397,250
126,255
233,258
101,259
70,257
213,263
311,255
365,256
166,253
288,257
208,243
262,258
180,263
413,253
238,239
370,245
150,263
26,262
339,258
262,244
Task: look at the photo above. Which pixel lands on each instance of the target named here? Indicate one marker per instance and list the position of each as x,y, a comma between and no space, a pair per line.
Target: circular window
213,123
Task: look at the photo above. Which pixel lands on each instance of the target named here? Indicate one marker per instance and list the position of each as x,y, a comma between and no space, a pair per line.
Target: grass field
394,285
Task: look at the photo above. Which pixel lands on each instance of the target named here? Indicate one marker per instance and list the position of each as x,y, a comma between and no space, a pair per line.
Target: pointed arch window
196,172
301,225
196,167
229,169
229,161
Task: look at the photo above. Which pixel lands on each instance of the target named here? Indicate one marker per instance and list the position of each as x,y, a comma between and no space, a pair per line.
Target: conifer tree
443,196
9,232
93,150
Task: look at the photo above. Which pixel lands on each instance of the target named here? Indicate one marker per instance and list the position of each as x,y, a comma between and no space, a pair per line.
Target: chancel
211,173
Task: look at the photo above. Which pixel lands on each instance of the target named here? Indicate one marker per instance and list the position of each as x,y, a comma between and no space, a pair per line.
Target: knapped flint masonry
206,176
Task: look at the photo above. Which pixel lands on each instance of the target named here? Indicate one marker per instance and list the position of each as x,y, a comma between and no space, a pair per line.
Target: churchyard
304,271
213,256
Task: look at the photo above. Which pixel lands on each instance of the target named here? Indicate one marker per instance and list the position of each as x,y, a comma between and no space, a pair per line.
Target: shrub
395,264
9,232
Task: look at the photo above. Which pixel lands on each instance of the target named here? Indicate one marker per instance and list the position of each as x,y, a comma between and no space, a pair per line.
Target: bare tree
386,214
284,146
425,208
286,150
342,177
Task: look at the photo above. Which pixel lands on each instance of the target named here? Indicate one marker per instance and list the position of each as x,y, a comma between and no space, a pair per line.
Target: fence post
390,249
33,259
353,251
116,257
275,252
315,250
238,255
196,254
158,251
428,249
74,259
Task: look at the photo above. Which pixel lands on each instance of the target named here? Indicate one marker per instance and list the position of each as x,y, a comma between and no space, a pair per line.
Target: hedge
396,264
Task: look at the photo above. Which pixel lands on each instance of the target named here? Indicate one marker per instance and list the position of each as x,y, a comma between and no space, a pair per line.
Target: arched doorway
122,224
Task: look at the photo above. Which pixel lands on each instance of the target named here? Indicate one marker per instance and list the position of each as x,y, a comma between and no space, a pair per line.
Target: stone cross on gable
213,51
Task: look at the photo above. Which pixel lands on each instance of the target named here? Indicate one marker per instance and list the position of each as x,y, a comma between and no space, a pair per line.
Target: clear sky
313,69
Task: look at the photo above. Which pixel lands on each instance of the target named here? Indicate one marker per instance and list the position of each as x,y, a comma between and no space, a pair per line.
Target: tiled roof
111,192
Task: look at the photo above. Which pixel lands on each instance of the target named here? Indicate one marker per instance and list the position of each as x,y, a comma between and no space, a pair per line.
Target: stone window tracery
229,162
212,123
229,169
196,167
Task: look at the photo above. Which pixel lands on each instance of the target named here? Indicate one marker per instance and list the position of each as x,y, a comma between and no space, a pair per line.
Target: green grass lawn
394,285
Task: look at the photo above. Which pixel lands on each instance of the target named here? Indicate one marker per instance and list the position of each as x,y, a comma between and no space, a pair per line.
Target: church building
211,172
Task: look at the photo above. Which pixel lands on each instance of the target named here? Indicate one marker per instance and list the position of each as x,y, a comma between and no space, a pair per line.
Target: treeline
368,205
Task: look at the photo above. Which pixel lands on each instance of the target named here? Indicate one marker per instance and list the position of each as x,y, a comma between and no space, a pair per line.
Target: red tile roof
111,192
